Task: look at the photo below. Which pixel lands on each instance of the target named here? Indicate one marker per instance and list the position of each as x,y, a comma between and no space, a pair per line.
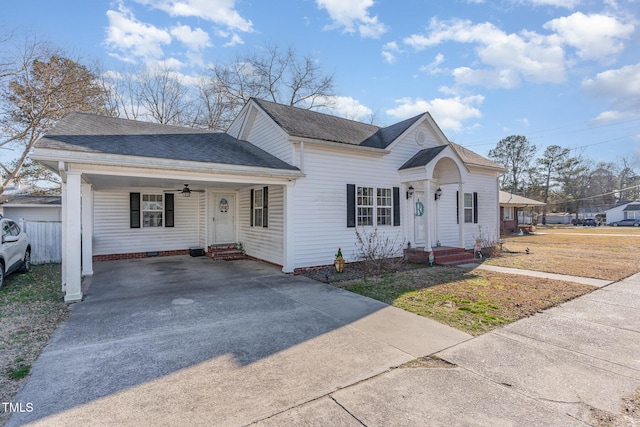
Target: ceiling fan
185,191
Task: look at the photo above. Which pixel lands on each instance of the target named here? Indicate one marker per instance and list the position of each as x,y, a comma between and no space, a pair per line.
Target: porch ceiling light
438,193
186,192
410,192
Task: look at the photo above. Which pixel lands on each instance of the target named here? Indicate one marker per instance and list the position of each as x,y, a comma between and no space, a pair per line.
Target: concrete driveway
190,341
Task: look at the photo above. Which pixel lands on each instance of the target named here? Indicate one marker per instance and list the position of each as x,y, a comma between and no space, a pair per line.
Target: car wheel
26,262
1,275
636,224
614,224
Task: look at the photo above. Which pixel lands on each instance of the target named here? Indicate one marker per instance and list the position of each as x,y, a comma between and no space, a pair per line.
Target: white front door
222,218
419,222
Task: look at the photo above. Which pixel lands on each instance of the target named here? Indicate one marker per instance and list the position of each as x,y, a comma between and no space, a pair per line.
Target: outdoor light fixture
438,193
410,192
185,191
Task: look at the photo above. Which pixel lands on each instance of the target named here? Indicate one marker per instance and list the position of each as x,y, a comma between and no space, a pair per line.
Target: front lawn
31,309
474,301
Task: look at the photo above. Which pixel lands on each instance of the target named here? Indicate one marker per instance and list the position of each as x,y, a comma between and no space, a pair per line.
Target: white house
31,207
623,210
291,185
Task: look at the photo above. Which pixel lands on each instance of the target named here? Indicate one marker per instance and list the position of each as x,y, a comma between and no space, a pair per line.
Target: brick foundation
136,255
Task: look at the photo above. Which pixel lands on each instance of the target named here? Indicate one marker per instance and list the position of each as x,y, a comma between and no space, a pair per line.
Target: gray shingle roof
471,158
303,123
91,133
423,157
24,199
312,124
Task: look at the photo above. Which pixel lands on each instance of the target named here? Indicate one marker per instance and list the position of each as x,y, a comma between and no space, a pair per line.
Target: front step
443,255
225,252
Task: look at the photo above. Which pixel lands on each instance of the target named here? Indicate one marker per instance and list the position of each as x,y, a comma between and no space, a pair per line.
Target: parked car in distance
626,223
15,250
590,222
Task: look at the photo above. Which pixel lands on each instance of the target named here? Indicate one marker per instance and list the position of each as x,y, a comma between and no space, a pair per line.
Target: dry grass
603,253
31,309
474,301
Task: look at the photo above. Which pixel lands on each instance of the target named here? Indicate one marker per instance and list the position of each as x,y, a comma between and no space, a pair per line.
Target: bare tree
39,86
273,74
164,96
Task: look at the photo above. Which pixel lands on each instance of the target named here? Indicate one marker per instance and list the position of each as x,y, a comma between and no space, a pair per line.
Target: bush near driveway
31,309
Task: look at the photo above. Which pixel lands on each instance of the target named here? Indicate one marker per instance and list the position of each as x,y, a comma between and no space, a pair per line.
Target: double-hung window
468,207
152,208
365,205
260,207
383,206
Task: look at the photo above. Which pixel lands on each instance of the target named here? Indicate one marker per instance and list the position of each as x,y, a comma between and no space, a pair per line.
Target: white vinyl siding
112,234
268,136
265,243
34,213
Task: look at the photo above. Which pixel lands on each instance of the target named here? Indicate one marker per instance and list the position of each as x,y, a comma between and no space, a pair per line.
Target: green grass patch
474,301
20,372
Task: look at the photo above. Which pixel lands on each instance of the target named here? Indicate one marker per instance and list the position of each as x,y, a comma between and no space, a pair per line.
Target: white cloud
594,36
434,67
195,40
235,40
621,86
511,57
352,16
449,113
389,51
131,38
349,108
220,12
569,4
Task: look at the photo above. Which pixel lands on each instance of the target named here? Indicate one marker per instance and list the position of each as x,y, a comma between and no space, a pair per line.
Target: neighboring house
31,208
513,211
623,210
291,185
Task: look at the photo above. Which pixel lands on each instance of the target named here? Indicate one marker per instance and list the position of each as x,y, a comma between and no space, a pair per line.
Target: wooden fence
46,241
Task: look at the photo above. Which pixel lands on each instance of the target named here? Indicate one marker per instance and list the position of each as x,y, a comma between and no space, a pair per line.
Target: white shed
31,207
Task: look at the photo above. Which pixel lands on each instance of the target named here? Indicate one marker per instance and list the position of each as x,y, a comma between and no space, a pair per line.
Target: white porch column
87,230
428,214
63,218
288,241
461,215
71,257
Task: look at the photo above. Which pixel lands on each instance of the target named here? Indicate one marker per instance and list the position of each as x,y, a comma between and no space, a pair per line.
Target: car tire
636,225
615,225
1,275
26,262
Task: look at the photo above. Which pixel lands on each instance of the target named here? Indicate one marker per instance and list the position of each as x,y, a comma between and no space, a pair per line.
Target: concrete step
225,252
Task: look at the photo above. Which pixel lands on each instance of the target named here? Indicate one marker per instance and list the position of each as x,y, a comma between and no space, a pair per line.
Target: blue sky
563,72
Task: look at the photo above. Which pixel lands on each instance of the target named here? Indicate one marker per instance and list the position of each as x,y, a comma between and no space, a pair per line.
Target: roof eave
51,155
341,145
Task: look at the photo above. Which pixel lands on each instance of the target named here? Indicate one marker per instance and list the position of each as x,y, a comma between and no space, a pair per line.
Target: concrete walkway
572,365
576,279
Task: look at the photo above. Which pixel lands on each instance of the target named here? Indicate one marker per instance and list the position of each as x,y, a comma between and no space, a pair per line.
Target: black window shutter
251,209
168,210
475,207
396,206
265,207
351,205
457,207
134,210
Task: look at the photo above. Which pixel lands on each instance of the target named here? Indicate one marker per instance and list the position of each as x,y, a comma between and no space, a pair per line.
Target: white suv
15,252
